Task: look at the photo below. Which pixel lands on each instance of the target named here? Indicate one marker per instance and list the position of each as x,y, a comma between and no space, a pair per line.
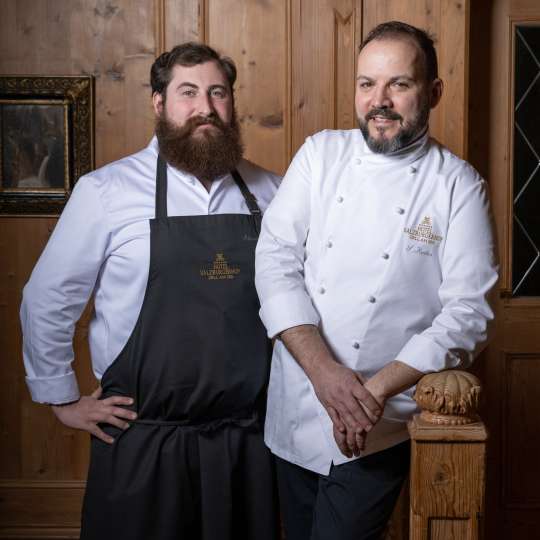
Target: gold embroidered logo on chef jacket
220,269
423,232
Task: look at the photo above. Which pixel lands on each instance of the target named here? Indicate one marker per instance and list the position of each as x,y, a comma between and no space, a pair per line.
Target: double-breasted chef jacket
392,256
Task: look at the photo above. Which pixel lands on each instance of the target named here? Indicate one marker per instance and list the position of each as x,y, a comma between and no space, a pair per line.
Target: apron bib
194,464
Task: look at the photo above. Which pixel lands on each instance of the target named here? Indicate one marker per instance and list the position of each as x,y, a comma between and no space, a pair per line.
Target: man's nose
381,98
205,107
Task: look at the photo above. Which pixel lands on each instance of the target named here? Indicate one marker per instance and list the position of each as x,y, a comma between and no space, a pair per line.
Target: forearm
392,379
308,348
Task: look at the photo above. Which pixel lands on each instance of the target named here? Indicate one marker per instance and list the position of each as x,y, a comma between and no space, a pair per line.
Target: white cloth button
340,199
385,256
400,210
371,299
358,161
412,170
322,290
356,345
329,243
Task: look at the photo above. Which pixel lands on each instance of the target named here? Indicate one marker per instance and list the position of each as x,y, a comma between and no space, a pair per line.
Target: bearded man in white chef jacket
374,266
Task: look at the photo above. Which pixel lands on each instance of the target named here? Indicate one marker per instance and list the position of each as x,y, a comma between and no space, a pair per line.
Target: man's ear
436,92
157,101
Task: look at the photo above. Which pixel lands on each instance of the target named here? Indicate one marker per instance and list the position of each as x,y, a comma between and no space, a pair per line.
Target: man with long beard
165,240
373,267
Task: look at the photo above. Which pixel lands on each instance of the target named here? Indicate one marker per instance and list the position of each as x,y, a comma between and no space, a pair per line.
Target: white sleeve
57,292
280,253
469,274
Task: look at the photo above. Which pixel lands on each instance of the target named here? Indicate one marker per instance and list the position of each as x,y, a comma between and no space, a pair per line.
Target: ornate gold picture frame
46,141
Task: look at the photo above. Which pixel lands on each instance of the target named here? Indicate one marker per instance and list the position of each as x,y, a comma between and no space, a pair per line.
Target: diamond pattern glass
526,222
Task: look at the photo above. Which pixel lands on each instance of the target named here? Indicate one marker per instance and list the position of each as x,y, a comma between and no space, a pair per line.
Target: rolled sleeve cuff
427,356
287,310
54,390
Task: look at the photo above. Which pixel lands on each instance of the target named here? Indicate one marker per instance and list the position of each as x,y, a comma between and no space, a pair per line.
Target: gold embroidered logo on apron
220,269
423,232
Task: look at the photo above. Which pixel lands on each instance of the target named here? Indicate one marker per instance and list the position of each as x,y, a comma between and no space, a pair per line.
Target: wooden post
448,444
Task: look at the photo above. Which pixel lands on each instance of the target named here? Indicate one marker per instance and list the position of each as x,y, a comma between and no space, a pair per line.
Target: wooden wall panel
254,34
448,21
324,42
180,21
522,435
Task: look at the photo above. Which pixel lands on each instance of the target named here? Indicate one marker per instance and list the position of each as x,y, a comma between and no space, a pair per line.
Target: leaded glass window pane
526,225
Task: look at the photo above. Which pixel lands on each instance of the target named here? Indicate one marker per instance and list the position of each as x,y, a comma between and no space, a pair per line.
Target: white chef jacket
392,256
101,245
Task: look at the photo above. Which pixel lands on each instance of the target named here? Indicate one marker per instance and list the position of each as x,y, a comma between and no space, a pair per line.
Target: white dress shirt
392,256
101,246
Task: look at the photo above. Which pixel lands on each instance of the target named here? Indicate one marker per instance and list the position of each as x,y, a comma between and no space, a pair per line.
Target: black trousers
354,502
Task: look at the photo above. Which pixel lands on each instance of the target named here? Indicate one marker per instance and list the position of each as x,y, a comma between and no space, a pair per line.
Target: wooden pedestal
447,480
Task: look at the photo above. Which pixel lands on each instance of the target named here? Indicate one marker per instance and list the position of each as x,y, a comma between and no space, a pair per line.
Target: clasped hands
352,407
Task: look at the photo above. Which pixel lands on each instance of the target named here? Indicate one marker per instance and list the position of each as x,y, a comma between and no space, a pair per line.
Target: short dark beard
405,136
206,156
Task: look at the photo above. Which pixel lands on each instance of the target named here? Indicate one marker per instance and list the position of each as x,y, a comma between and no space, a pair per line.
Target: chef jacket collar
403,156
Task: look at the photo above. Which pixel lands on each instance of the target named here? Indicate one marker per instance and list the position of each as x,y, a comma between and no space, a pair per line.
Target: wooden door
511,368
296,62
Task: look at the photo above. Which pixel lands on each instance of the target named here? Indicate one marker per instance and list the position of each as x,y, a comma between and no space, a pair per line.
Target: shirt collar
403,156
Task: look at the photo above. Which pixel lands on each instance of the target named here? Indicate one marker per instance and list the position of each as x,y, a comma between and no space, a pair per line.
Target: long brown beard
208,155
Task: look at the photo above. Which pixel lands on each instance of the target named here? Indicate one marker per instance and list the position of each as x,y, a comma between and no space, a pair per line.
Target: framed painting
46,141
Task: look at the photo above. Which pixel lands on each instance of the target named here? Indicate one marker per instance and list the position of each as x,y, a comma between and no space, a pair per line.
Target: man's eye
220,94
365,84
401,84
188,93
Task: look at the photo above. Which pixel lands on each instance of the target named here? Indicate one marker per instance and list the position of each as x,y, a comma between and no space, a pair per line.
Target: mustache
383,113
212,119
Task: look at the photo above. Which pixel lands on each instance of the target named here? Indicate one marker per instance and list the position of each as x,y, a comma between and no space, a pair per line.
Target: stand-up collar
403,156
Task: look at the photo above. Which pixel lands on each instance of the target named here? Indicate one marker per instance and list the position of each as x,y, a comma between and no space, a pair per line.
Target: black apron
193,465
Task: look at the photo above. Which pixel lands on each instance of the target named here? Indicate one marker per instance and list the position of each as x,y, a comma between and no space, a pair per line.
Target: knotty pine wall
296,63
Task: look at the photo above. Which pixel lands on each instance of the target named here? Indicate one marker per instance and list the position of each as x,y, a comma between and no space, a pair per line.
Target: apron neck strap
251,202
161,190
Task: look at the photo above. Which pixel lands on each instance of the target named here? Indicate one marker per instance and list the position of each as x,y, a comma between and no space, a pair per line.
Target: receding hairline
400,36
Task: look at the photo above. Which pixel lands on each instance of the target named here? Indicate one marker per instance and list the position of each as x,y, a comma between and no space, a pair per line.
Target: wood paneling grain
522,435
182,21
254,35
51,504
448,22
324,43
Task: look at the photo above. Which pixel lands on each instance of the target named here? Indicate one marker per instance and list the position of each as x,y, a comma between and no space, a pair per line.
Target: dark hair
187,54
398,29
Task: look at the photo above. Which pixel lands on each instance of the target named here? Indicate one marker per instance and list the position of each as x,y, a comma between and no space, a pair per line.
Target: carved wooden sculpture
447,459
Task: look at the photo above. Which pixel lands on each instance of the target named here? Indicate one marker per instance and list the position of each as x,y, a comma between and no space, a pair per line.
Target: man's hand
90,411
340,390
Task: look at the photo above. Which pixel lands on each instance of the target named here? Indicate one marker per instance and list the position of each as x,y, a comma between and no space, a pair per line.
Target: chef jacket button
412,170
358,161
400,210
329,244
356,345
371,299
340,198
385,256
322,290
